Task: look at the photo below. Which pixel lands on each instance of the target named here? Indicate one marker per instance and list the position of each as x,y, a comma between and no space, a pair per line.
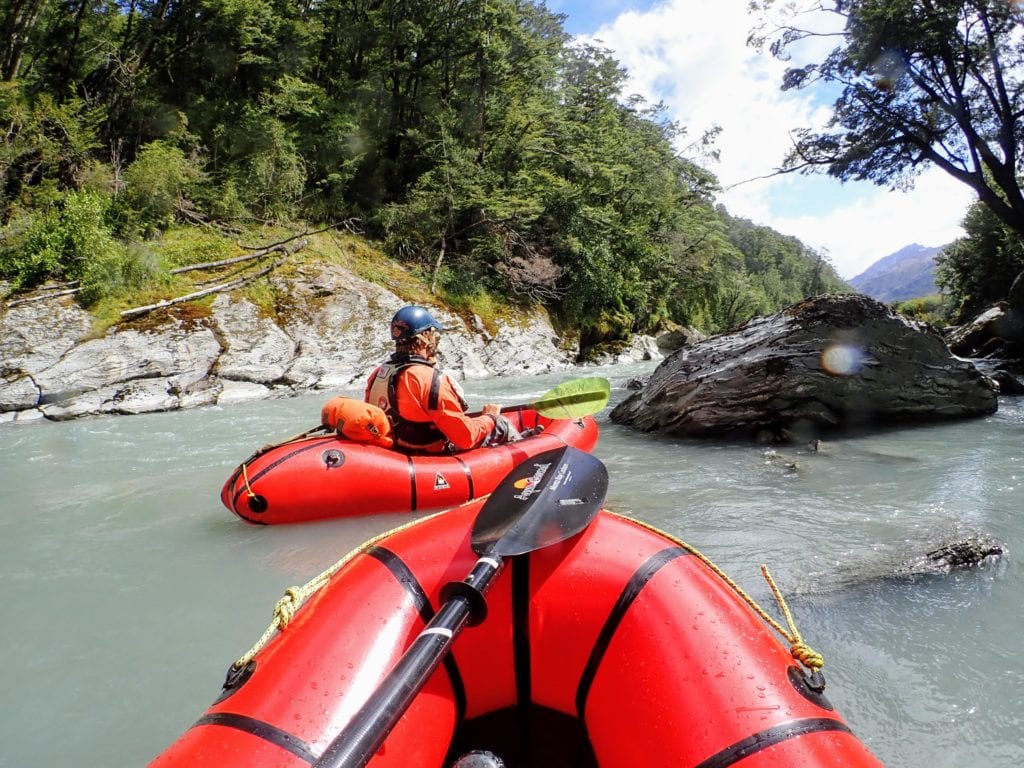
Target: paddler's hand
491,409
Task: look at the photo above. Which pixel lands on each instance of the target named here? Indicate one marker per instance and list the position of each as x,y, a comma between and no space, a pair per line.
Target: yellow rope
297,438
294,597
798,649
245,477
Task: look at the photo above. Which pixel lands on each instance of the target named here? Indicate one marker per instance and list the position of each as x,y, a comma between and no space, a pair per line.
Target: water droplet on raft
479,758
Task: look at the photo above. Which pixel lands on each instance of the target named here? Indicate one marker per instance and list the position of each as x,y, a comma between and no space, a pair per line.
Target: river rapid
128,589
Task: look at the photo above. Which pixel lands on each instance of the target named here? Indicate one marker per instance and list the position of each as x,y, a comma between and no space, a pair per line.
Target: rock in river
828,362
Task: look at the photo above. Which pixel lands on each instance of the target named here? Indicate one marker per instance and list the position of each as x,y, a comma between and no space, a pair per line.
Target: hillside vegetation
471,141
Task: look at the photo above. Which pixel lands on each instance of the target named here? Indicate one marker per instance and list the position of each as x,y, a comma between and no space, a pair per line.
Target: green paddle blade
574,399
543,501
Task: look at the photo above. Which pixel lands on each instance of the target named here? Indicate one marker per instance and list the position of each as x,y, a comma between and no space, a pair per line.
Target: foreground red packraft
617,647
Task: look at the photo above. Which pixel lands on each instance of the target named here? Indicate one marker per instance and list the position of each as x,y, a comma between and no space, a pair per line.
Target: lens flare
842,360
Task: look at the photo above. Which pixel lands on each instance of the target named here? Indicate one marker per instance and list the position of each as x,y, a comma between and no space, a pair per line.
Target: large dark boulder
994,340
826,363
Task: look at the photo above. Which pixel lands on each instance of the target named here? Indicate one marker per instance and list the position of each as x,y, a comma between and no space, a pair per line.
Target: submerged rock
826,363
957,554
954,552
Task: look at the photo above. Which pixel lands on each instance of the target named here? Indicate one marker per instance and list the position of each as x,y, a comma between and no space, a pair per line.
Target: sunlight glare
842,359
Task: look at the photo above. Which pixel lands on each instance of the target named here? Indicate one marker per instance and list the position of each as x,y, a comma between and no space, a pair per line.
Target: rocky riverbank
333,334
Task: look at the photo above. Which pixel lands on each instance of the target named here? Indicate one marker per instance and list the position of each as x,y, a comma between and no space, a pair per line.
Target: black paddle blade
542,501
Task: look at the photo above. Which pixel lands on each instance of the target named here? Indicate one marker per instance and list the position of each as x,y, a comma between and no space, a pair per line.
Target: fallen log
226,262
42,296
220,288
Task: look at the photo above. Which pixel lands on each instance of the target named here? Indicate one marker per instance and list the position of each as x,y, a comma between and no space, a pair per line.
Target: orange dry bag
358,421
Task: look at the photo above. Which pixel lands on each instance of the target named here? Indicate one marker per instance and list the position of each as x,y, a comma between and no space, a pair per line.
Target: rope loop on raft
269,447
798,649
286,607
245,478
294,597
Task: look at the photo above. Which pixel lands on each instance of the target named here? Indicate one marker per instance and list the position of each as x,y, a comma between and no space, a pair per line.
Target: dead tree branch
349,225
226,262
228,286
41,297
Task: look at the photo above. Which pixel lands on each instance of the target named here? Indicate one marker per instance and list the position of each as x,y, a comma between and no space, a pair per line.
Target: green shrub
121,271
933,309
472,300
31,249
60,242
158,184
224,203
98,177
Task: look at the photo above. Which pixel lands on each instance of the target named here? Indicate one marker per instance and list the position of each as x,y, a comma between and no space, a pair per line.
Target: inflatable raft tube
328,477
618,647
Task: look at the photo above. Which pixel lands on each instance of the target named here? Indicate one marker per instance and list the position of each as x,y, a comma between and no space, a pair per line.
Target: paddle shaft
359,741
507,409
597,400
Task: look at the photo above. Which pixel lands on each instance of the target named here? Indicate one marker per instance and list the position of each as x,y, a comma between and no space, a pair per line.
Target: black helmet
410,321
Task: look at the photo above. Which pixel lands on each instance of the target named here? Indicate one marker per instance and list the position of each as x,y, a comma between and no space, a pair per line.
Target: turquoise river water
128,590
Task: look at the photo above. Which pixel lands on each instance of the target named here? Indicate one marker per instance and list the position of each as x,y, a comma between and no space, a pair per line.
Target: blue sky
585,17
692,55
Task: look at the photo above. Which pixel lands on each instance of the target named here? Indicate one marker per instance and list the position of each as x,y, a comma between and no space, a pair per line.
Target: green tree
932,82
978,269
19,23
784,268
45,146
480,148
615,192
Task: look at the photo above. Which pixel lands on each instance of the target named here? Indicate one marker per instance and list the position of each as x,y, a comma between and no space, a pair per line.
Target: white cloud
879,222
692,55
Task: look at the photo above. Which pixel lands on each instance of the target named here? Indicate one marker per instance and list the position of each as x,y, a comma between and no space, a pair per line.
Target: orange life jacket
426,409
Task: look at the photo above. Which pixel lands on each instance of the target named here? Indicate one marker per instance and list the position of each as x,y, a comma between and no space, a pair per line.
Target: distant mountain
907,274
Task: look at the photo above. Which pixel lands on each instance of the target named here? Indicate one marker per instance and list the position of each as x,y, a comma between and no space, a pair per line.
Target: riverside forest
471,145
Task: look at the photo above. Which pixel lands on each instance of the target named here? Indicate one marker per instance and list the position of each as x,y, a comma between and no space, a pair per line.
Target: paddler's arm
463,431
